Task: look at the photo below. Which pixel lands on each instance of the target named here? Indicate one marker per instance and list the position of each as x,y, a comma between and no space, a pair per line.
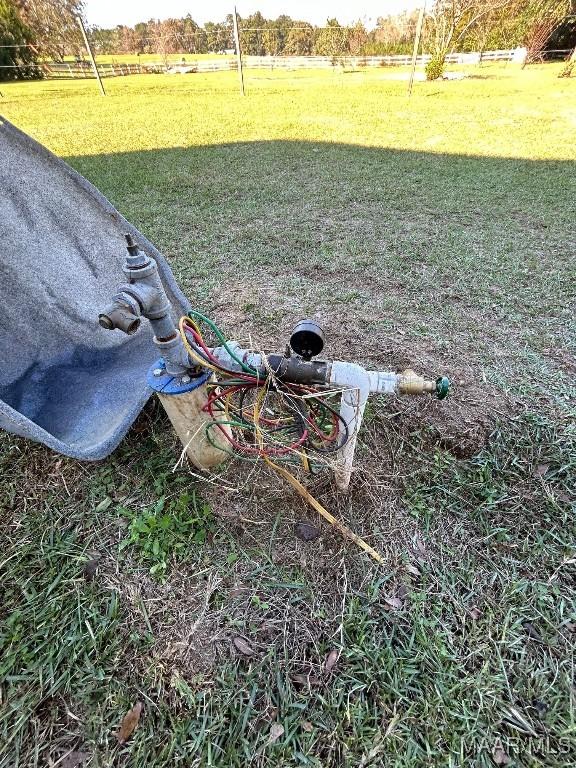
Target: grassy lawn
436,232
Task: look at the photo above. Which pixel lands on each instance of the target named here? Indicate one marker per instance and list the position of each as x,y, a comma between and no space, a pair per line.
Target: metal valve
410,383
443,385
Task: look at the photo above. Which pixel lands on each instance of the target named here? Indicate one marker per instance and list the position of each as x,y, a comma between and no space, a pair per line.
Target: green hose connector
442,387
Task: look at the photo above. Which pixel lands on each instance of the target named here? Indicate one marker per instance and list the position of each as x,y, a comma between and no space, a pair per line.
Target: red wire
249,449
253,382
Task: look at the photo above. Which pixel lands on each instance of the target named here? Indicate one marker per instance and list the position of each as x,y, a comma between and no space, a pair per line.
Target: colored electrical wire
258,415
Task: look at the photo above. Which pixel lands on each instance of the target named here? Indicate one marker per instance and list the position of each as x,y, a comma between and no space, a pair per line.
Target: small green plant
167,529
435,68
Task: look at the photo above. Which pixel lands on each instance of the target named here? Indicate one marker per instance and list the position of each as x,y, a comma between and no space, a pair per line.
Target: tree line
260,36
33,30
451,25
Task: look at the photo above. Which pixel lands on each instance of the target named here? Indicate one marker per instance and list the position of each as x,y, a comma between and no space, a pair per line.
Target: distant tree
450,22
282,27
143,37
18,61
393,34
103,40
357,38
332,40
300,39
127,40
564,36
271,41
191,38
166,38
219,37
536,20
252,34
478,36
527,23
54,25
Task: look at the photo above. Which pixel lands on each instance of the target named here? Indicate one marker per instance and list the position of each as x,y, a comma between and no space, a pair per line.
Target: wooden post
190,421
238,52
417,36
91,55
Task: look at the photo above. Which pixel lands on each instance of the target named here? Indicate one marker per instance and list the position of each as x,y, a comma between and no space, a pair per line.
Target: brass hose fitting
410,383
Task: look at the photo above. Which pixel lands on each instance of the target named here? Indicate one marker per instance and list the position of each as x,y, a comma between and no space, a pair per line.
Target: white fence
82,69
302,62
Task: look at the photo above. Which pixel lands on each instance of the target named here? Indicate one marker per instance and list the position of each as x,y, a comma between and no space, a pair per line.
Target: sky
109,13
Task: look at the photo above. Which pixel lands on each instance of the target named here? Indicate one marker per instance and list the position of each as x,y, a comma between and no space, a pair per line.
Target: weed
167,530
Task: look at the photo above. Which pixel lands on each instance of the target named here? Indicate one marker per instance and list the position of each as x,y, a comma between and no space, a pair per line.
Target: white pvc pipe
355,382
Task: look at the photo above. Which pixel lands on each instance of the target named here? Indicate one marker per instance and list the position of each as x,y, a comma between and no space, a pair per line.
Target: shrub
435,68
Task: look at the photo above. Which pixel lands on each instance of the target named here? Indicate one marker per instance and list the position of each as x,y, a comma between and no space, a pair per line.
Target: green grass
435,232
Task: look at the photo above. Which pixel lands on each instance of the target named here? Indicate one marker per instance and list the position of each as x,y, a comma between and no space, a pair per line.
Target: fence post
91,55
238,52
416,45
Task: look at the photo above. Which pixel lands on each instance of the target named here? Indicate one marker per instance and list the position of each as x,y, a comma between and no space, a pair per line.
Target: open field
437,233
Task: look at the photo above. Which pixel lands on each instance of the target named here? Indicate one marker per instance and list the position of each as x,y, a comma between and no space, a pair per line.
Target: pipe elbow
120,317
351,376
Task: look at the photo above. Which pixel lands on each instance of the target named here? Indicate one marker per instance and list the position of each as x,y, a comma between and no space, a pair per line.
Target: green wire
237,454
192,314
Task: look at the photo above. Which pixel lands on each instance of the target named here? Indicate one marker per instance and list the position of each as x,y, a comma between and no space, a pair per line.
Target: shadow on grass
450,262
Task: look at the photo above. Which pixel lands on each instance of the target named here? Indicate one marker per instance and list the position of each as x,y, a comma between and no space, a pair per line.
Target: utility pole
91,55
417,36
238,52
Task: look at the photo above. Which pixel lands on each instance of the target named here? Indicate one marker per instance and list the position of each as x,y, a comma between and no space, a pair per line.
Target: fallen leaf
276,731
104,504
393,603
402,591
541,470
90,568
475,613
129,723
517,720
331,660
305,679
419,546
74,759
412,570
532,632
241,645
499,756
377,747
307,726
306,531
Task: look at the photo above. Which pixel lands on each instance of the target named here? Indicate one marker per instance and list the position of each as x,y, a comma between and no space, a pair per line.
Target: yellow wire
194,355
315,504
288,476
